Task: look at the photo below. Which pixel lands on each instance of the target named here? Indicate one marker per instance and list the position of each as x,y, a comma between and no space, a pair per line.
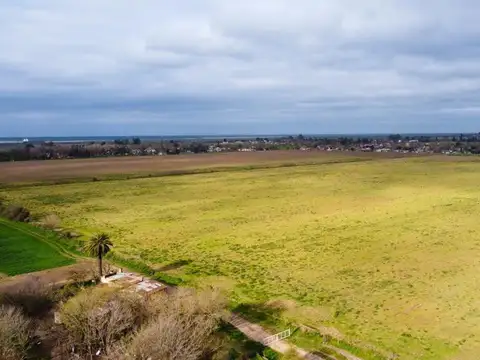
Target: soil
54,276
54,170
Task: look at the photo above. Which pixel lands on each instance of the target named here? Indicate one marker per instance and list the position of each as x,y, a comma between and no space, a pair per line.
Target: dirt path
51,276
256,333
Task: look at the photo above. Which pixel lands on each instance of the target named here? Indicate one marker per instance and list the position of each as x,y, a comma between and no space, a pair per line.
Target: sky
185,67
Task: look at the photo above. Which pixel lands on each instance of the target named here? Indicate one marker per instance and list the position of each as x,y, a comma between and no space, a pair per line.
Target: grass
23,251
385,252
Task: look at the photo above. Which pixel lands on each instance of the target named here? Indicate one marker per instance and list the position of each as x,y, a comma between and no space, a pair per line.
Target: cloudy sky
153,67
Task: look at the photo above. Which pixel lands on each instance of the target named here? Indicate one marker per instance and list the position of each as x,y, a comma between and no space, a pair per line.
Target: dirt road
257,333
54,276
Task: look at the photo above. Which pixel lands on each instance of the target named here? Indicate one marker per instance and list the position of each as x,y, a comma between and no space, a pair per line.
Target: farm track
257,333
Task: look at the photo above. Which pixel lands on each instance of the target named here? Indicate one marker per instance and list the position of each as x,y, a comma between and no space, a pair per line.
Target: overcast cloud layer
149,67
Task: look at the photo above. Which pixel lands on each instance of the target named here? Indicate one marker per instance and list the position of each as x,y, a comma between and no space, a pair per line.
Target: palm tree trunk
100,270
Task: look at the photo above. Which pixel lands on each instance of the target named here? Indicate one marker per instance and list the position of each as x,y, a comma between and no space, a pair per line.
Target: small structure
122,278
57,318
135,282
148,286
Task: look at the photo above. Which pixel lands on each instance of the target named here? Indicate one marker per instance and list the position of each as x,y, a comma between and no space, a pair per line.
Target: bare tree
15,333
183,327
97,318
125,326
172,337
33,296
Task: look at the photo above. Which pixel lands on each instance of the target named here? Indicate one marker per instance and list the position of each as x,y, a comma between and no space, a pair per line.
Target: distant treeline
451,144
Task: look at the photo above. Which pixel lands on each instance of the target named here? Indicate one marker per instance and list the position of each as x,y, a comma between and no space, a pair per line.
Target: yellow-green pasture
385,251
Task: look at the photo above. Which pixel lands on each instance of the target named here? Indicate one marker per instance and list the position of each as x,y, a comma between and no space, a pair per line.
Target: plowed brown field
69,169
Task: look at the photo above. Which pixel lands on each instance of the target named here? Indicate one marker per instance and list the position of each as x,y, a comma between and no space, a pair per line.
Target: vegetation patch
388,246
168,279
22,251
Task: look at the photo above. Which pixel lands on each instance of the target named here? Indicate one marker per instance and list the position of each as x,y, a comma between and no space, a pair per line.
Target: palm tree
99,245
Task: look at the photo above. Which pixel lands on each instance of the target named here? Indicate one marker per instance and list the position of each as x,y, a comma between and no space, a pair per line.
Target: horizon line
240,135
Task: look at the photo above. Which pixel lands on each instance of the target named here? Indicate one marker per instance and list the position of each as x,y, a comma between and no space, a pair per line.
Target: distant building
150,151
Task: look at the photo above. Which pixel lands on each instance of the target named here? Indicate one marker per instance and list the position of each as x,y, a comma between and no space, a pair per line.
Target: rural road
256,333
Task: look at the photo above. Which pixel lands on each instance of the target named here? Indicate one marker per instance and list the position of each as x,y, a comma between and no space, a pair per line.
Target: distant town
462,144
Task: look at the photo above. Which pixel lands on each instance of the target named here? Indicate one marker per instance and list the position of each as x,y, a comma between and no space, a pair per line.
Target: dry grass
385,251
51,221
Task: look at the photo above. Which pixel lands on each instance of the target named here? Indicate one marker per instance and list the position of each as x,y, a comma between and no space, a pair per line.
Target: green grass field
385,251
23,249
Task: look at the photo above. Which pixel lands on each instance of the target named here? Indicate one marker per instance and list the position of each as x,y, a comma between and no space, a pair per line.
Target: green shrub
270,354
167,279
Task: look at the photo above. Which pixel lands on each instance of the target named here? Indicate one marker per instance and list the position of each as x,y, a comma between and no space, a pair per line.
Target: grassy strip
168,279
131,264
144,269
327,346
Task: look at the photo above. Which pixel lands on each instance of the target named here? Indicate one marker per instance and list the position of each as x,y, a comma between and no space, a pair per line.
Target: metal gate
277,337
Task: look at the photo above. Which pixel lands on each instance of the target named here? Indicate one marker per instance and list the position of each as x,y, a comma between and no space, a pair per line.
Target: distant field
121,167
22,251
387,251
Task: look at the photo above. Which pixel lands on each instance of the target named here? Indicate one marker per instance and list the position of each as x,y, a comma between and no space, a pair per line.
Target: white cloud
261,57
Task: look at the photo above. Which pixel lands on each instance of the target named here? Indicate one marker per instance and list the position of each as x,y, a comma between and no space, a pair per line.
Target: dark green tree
98,246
